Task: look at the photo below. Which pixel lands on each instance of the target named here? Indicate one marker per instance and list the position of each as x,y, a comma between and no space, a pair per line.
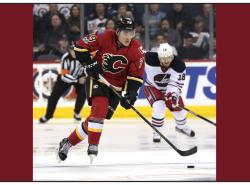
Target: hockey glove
93,70
129,99
172,100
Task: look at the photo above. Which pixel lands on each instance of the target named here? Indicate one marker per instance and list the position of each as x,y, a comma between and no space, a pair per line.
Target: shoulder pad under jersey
151,59
178,65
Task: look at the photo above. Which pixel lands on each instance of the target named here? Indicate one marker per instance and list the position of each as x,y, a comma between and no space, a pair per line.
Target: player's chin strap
181,152
199,116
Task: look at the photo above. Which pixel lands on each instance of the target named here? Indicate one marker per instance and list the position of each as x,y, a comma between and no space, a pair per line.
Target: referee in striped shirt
72,73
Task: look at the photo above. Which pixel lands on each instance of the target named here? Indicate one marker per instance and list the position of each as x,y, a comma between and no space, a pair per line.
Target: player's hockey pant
152,94
59,89
157,101
93,125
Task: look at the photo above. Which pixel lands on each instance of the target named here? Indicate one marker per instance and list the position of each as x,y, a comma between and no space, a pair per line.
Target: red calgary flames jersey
117,64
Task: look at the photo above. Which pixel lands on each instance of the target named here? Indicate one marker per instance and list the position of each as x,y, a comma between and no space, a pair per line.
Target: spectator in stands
39,10
110,24
112,10
97,20
74,23
206,8
193,9
180,19
54,34
200,36
122,11
160,39
138,11
189,51
46,19
62,47
154,18
173,36
139,33
38,45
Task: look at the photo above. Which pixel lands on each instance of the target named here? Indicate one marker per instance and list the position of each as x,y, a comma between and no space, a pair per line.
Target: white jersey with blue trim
169,79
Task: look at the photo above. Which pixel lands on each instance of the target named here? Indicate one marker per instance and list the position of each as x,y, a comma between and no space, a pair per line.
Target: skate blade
182,132
91,157
57,156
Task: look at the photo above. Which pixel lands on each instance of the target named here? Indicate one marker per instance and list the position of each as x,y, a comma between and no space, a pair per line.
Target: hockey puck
190,166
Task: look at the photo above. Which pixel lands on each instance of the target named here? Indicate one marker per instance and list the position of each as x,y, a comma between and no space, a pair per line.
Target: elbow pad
82,55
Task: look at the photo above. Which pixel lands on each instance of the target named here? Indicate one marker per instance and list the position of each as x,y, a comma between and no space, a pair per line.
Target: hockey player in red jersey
120,60
165,79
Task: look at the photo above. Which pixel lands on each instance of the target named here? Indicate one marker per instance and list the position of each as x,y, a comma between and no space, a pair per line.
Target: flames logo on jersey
114,63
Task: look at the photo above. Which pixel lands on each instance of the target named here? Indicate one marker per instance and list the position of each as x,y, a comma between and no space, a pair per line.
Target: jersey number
182,77
89,38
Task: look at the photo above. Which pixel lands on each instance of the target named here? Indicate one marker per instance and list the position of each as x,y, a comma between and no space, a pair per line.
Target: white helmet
165,54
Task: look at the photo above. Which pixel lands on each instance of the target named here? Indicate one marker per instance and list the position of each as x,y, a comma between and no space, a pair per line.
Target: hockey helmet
165,54
125,24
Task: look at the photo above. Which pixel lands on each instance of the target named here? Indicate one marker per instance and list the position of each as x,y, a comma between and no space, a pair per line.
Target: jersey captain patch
114,63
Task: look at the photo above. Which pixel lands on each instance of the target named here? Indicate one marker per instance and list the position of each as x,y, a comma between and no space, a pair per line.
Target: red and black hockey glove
93,70
129,99
172,100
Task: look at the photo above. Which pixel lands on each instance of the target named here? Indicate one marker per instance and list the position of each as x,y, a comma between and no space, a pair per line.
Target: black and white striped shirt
71,69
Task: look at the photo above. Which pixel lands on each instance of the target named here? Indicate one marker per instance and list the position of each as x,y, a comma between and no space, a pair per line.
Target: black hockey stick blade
191,151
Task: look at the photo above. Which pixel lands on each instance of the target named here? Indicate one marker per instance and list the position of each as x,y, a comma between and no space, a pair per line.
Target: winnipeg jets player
163,85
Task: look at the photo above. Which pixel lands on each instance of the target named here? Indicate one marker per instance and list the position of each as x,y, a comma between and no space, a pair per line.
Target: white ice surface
126,153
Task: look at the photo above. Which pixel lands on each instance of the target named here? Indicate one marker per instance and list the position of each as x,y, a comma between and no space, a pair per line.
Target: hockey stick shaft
182,153
199,116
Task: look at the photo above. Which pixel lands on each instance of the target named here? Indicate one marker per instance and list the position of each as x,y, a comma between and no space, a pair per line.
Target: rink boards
67,112
199,92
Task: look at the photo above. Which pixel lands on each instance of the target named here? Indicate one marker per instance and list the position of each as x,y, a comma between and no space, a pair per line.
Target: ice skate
156,137
77,117
43,120
185,130
92,152
63,149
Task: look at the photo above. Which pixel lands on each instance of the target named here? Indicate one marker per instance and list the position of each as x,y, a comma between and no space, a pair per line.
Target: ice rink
126,153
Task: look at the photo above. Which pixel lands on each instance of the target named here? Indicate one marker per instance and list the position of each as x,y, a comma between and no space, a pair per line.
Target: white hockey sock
80,132
180,118
158,115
